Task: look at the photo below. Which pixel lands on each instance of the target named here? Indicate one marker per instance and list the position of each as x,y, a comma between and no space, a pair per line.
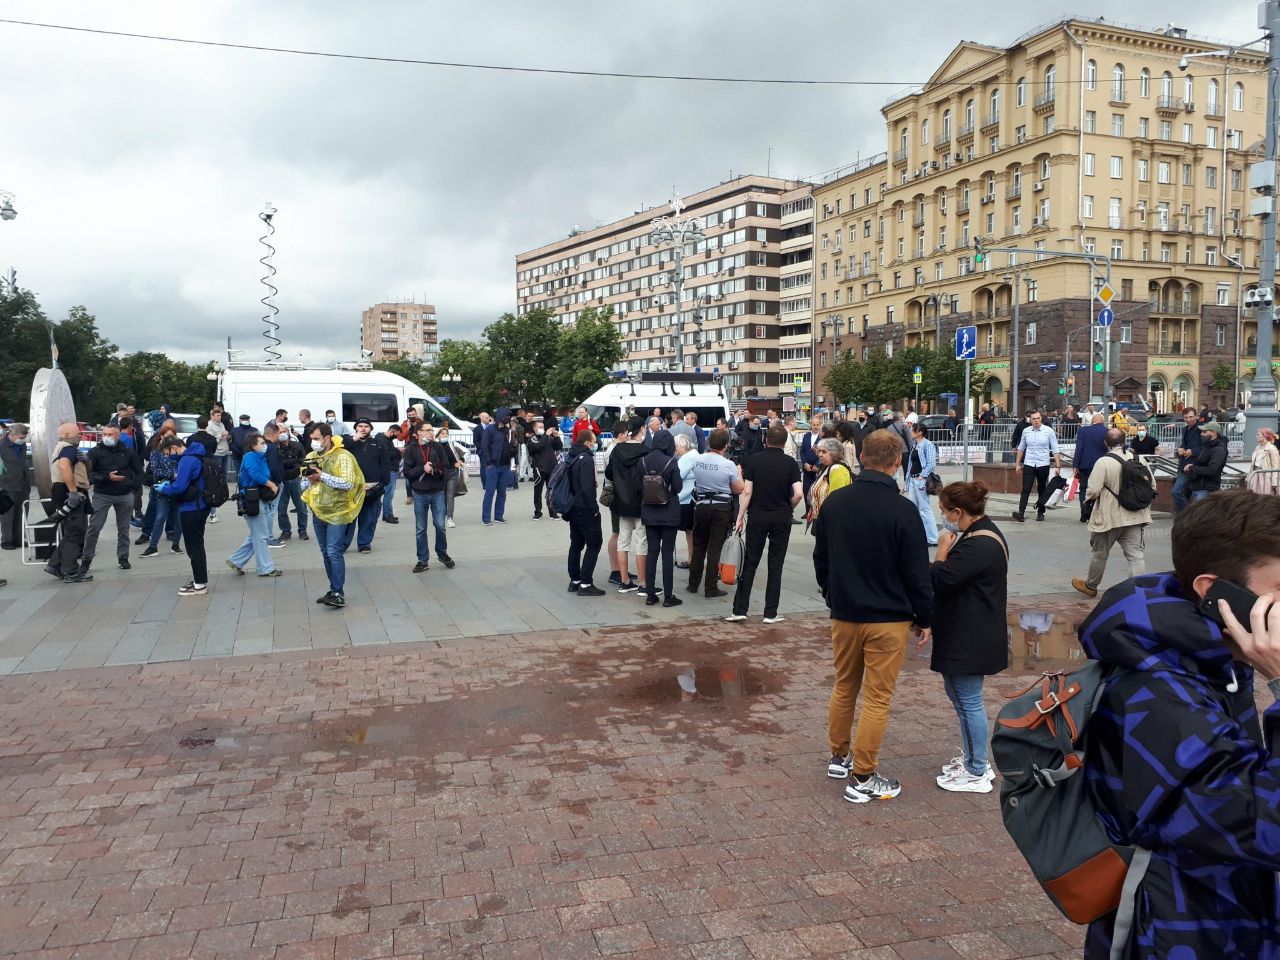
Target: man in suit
1091,444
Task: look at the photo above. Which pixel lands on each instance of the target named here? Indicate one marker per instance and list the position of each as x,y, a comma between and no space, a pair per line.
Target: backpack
215,482
653,487
1038,747
560,490
1135,491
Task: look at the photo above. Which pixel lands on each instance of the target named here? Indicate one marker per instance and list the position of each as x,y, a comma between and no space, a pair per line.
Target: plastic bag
731,558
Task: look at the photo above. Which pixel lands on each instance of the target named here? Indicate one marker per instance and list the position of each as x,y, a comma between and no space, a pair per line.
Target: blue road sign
1106,317
966,343
1048,368
1078,366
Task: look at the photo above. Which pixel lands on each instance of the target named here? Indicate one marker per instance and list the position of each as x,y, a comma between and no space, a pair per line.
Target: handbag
932,484
460,487
731,558
251,501
606,493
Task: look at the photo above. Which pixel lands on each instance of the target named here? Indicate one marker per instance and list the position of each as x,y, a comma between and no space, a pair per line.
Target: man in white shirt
1036,449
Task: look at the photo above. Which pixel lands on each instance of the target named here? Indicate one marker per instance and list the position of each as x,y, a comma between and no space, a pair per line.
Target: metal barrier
31,530
1263,481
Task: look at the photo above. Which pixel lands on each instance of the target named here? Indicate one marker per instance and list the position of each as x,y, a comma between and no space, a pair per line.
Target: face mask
109,441
1141,434
537,431
317,446
260,448
950,525
330,419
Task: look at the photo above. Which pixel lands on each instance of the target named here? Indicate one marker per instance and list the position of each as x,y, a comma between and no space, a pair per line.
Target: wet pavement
654,790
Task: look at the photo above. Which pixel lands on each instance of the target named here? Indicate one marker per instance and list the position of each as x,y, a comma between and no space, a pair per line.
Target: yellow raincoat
329,503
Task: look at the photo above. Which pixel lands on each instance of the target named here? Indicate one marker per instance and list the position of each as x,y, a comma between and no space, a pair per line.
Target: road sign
1106,317
966,343
1079,366
798,380
1106,294
919,370
1048,368
917,378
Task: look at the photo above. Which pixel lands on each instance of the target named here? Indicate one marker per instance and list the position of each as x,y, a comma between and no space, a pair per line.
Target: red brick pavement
536,796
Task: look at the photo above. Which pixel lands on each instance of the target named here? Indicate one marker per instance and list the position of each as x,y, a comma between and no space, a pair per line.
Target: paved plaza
474,764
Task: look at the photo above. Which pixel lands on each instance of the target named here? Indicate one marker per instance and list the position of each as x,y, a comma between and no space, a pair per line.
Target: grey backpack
1038,747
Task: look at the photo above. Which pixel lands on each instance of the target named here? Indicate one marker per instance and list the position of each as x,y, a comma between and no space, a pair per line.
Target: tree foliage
523,350
884,379
1224,377
587,352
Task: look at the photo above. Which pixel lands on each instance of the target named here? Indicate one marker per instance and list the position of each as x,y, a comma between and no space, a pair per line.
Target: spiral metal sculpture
273,311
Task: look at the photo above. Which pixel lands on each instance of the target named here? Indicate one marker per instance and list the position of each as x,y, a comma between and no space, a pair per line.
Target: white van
350,390
701,393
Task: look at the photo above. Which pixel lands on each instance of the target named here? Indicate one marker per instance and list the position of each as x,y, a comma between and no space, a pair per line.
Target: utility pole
1262,178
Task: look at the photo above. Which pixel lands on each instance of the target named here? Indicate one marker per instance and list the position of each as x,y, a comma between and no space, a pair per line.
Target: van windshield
434,414
607,417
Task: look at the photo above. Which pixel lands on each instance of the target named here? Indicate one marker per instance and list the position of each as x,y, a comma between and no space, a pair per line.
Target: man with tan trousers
872,565
1109,522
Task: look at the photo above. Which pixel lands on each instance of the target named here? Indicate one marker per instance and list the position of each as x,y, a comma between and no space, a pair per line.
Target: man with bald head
70,496
1110,522
1091,444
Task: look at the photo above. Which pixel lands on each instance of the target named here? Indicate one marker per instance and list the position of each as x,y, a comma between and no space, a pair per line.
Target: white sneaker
777,619
961,781
735,618
450,524
213,518
957,765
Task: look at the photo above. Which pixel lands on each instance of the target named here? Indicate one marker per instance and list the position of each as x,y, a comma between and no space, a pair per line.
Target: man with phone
1176,761
113,471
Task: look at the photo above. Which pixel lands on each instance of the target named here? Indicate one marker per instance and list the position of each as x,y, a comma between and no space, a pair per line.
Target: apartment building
731,281
795,298
1081,136
390,331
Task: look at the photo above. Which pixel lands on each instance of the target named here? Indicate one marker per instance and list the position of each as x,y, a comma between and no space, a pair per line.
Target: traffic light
979,253
1098,357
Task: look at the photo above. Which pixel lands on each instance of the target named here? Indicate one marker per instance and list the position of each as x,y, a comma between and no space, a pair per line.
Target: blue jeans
433,503
389,497
965,694
291,493
165,519
255,544
269,508
1181,492
496,480
1197,495
916,491
331,538
366,524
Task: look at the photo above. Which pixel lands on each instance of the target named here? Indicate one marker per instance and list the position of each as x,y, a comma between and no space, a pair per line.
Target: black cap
360,420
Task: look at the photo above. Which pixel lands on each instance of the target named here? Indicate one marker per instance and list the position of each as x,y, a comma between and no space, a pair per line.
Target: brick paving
545,795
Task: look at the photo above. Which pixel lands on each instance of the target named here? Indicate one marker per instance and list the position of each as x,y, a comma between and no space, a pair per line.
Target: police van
658,393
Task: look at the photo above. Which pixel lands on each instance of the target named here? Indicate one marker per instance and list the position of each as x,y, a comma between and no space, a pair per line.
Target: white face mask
1142,434
260,448
317,446
109,441
330,419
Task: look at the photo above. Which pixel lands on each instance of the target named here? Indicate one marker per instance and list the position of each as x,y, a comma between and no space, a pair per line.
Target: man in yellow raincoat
333,487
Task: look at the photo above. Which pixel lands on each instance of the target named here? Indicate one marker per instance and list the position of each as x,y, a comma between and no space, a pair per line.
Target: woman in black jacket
970,638
661,519
585,533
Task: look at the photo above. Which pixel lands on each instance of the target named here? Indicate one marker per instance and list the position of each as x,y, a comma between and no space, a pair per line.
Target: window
1187,174
1166,130
1044,210
762,210
1020,92
1126,332
1089,160
1189,90
1211,97
378,407
763,284
1166,84
1210,137
1117,124
1087,207
1117,249
1237,97
995,103
1224,297
1220,335
1090,244
1048,124
1031,333
1044,168
1210,176
946,126
1188,133
1019,134
924,133
1117,83
1163,172
1113,213
1017,219
1050,78
1091,75
1144,83
968,115
993,144
1144,169
1090,121
1144,128
1211,256
1117,168
1235,178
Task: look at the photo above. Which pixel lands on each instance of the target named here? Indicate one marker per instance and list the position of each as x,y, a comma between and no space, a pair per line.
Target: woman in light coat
1264,465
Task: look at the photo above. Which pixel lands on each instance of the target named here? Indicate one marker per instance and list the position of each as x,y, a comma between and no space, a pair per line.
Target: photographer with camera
70,506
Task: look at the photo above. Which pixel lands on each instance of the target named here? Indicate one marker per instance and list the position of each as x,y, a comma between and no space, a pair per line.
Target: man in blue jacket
1176,761
496,454
1091,444
187,489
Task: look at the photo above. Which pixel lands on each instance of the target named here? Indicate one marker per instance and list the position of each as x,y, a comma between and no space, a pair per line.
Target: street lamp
679,231
451,377
1239,265
6,206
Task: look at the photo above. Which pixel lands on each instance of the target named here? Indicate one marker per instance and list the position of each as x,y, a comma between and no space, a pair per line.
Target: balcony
1013,192
900,157
989,122
1044,102
1169,105
1214,111
965,132
962,207
1118,98
1115,223
942,144
918,221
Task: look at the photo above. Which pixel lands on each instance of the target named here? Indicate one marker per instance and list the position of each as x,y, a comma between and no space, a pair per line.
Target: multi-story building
730,280
1083,136
795,298
390,331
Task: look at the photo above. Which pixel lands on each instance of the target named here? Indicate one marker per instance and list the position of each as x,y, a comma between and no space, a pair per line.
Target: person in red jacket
583,422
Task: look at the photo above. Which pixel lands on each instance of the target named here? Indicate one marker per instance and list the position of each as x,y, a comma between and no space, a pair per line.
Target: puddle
1046,637
693,683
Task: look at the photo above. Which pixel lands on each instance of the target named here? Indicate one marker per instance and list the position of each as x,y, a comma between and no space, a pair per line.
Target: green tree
860,381
1224,377
476,390
523,351
940,372
587,351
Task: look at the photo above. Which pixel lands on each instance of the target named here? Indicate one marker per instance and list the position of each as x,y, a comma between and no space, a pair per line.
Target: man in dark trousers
1188,449
113,471
376,467
1091,444
236,442
771,493
872,566
15,481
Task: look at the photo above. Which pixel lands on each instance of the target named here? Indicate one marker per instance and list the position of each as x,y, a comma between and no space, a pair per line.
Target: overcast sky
139,167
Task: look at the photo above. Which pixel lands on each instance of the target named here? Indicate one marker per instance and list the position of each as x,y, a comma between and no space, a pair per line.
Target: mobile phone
1240,600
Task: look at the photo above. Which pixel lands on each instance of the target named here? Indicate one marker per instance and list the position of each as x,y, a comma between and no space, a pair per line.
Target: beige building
731,279
390,331
1081,136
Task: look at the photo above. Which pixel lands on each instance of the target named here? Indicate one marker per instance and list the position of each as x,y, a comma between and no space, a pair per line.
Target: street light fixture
1239,265
451,377
679,231
6,206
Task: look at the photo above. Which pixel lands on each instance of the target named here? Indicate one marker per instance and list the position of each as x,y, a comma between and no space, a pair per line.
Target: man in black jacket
236,443
113,471
15,481
585,533
388,440
275,466
872,565
376,467
427,464
1206,467
291,457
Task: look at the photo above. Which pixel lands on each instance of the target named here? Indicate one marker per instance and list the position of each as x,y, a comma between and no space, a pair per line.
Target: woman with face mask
970,639
256,491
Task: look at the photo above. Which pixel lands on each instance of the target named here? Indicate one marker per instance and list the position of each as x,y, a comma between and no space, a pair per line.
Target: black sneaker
716,593
499,521
615,578
672,601
325,598
537,516
629,587
125,564
590,590
80,577
447,560
150,552
838,767
175,549
651,600
302,535
1040,517
335,600
420,567
573,586
390,519
286,534
1020,517
144,538
365,549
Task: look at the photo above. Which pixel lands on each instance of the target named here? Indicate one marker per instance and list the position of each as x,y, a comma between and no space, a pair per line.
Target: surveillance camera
1183,64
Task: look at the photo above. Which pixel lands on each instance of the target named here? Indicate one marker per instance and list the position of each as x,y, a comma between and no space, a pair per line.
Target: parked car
935,425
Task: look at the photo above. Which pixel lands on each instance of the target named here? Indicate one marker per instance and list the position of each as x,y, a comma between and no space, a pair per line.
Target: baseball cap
360,420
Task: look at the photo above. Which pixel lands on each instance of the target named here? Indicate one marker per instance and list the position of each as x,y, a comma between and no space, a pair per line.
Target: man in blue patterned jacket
1176,760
